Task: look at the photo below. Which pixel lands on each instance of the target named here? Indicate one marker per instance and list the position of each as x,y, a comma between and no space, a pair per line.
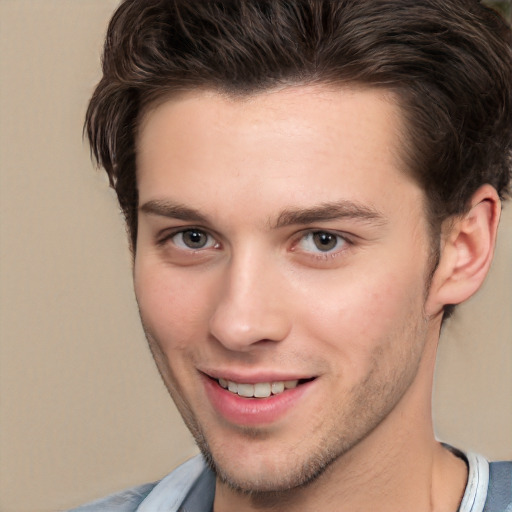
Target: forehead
305,140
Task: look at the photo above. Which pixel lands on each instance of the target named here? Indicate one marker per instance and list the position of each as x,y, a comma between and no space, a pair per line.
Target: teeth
277,387
262,389
246,390
258,390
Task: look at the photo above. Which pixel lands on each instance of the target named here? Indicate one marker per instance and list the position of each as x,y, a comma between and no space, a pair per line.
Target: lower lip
253,411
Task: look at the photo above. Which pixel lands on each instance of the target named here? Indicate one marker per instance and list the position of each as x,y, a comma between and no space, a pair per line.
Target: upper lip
254,377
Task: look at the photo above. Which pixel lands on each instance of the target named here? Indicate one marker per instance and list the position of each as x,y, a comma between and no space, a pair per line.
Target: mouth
260,389
255,401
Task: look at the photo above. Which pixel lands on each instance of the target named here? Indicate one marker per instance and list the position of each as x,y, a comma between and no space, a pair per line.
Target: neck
398,467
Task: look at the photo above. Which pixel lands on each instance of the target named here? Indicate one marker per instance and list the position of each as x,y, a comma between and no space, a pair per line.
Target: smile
258,402
257,390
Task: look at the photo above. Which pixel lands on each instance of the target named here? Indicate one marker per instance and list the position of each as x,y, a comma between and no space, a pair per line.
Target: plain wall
82,409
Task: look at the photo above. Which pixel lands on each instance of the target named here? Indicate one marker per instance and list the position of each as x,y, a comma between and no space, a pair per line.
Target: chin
263,473
269,482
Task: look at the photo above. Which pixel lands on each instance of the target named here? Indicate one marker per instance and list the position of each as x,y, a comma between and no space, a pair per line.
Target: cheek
361,318
173,306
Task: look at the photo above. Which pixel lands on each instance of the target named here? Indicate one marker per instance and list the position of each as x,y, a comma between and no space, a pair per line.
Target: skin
260,296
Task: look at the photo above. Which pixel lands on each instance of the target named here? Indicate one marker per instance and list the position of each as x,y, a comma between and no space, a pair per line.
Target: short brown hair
448,61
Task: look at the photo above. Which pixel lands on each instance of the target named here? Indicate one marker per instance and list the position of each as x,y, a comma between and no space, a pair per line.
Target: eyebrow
172,210
330,211
289,216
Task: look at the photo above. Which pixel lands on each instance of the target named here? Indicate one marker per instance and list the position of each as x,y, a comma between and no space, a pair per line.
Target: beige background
82,410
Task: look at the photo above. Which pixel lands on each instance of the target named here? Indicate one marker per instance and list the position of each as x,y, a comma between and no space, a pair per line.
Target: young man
310,187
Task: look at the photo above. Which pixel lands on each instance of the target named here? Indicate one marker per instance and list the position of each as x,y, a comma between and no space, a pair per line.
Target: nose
250,307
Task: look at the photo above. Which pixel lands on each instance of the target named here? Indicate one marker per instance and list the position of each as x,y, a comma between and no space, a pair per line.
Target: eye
321,241
194,239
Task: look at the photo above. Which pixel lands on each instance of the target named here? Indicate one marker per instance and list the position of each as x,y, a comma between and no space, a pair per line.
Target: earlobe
467,251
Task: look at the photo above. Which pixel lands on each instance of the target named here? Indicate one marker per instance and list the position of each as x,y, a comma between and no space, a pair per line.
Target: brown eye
325,241
193,239
321,242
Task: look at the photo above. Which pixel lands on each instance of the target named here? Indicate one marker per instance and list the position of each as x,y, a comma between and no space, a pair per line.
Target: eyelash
340,239
168,237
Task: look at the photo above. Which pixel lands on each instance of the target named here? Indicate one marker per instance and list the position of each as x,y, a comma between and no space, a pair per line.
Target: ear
467,250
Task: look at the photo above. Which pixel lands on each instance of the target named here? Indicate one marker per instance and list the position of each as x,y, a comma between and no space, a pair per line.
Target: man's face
282,252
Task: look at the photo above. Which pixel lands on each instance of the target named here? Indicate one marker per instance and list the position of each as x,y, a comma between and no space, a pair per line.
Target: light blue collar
478,483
